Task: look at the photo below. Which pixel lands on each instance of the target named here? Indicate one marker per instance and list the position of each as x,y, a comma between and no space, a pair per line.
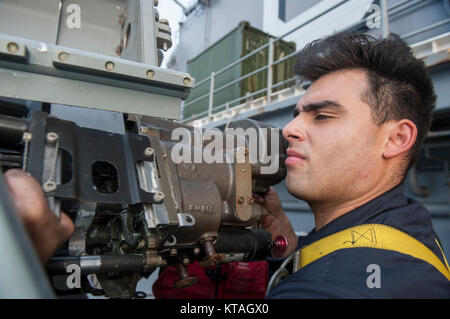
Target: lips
294,157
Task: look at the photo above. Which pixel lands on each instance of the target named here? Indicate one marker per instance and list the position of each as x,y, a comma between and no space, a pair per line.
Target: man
355,133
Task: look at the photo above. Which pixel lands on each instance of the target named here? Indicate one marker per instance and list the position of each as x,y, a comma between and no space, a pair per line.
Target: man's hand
44,229
276,221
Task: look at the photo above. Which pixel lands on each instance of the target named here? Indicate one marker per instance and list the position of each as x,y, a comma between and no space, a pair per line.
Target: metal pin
158,197
63,56
52,138
110,66
12,47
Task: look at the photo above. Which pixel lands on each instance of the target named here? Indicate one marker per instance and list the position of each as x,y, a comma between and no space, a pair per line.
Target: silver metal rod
211,94
428,28
385,18
283,82
270,71
60,5
287,57
196,100
202,81
241,98
240,79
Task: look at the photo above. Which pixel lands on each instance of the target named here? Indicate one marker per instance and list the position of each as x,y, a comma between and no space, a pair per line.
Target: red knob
280,243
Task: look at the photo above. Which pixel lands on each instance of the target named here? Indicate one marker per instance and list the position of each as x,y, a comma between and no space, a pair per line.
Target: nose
294,131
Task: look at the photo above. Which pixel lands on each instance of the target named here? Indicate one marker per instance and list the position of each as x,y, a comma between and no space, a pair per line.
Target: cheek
346,153
362,155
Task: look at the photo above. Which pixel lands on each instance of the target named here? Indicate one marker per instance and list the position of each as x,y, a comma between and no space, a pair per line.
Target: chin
295,188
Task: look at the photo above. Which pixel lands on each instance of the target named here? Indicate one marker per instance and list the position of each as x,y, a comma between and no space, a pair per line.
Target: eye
322,117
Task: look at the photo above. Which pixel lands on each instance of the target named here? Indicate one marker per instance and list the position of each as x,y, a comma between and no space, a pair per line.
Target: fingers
27,195
67,227
44,229
258,198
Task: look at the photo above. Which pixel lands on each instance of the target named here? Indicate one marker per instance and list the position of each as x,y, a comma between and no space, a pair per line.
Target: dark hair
399,86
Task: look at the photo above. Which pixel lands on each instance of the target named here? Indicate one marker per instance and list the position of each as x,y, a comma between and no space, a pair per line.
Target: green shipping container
236,44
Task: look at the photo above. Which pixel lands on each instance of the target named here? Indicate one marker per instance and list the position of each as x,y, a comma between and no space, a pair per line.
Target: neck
326,212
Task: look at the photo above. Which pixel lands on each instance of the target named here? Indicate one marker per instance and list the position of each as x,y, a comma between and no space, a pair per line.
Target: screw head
12,47
197,251
63,57
241,200
49,186
27,137
150,74
158,197
149,152
186,81
110,66
52,138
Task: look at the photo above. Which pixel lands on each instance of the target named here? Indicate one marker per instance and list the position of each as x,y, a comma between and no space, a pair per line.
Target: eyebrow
318,106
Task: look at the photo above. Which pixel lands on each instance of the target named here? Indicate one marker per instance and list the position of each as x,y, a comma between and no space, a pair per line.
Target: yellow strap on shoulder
372,236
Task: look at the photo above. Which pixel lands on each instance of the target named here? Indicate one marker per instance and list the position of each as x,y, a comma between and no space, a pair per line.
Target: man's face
334,146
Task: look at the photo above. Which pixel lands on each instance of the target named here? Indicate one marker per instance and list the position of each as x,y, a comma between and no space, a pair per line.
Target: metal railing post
270,70
385,18
211,94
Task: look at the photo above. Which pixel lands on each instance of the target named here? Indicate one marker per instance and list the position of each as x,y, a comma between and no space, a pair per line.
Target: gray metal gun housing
134,208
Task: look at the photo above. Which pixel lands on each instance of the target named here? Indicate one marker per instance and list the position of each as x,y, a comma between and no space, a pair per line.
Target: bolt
197,251
109,66
12,47
158,197
241,200
186,261
150,74
149,152
49,186
63,57
164,21
26,137
187,81
52,138
144,130
173,252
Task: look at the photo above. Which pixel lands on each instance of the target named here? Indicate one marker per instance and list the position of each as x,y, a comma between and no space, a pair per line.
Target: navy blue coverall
344,273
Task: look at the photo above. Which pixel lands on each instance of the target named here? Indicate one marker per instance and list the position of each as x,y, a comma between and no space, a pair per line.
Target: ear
401,137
